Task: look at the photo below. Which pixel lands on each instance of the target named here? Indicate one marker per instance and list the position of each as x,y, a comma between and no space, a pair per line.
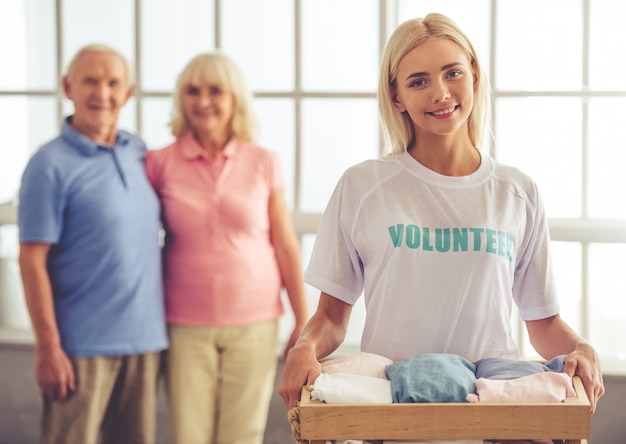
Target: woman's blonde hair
397,126
218,70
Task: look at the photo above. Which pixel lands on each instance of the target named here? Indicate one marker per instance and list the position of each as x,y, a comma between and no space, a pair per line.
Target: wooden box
318,422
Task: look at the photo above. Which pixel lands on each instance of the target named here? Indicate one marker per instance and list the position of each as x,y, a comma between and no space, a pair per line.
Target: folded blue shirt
432,377
507,368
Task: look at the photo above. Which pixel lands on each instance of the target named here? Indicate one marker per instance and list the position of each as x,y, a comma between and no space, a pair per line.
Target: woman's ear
397,104
475,75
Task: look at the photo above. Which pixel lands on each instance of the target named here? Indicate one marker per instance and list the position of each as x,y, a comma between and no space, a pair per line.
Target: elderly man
90,264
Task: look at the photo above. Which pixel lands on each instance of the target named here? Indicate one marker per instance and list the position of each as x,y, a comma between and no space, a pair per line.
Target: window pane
607,290
173,32
539,45
13,311
336,134
277,133
155,118
606,159
567,262
312,294
25,124
95,21
472,17
265,51
607,53
27,46
340,48
540,135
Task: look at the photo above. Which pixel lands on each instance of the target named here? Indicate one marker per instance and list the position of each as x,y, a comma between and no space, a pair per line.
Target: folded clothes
507,368
362,363
360,378
440,377
347,388
432,377
539,387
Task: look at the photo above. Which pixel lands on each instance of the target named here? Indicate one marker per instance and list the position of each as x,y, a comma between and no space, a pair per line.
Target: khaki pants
114,395
220,381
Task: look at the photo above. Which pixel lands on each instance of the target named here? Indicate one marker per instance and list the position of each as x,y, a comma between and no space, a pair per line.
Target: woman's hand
584,362
301,369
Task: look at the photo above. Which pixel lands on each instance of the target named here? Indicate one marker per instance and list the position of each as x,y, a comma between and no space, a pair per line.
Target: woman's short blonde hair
397,126
218,70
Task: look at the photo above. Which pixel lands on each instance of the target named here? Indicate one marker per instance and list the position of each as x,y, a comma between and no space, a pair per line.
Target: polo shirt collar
84,144
191,148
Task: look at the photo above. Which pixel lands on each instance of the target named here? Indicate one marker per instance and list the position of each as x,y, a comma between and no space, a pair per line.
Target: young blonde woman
441,239
229,249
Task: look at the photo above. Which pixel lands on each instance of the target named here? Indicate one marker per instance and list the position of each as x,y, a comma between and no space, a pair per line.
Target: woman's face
207,108
435,85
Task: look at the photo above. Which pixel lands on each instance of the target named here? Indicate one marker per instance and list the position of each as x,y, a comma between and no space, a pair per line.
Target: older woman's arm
287,250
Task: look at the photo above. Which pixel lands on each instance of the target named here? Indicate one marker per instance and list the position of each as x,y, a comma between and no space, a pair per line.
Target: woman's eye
192,91
418,83
455,73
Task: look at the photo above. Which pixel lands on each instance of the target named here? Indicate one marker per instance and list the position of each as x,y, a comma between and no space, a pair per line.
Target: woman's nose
440,92
204,98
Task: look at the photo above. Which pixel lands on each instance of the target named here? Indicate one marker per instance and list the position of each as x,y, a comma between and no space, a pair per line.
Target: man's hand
55,373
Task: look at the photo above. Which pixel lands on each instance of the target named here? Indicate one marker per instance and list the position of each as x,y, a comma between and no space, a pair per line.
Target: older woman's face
208,109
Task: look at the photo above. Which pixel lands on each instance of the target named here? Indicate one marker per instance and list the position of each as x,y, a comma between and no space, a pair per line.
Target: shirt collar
84,144
191,148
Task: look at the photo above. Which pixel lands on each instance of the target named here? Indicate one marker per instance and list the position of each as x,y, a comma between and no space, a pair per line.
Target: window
313,65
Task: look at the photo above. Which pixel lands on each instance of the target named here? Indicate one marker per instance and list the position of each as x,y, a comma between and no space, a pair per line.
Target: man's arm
55,374
324,332
552,337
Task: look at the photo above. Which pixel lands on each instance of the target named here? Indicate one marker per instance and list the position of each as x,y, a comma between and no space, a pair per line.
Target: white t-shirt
439,259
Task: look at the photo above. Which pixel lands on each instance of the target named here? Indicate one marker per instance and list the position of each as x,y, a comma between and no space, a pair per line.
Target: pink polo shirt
219,265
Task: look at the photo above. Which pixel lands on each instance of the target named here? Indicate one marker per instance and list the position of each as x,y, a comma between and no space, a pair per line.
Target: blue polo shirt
96,208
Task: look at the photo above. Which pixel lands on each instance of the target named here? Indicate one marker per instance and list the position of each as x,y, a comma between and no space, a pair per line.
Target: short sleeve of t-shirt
275,177
335,267
40,207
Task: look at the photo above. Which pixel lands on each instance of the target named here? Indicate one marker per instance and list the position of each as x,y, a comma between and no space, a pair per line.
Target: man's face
99,87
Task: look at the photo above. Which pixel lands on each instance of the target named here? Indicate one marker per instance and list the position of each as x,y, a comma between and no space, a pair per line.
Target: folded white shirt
348,388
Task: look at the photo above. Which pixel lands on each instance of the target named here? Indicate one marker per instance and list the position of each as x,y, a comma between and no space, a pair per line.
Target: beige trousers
114,397
220,381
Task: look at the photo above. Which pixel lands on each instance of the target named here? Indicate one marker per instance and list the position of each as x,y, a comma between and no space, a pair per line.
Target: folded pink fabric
362,363
540,387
